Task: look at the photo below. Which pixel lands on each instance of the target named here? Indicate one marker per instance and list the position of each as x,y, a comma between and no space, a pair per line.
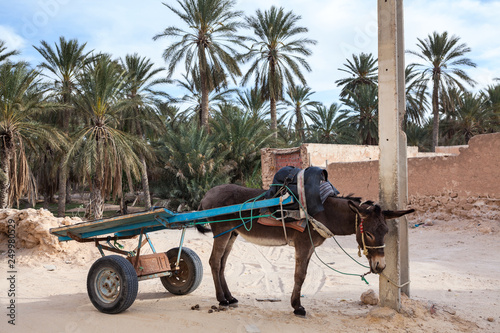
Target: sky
340,27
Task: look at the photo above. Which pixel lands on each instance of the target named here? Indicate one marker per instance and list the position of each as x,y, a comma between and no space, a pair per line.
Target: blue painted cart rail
154,220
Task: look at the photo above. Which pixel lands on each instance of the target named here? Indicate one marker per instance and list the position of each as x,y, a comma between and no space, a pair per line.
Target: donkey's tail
201,227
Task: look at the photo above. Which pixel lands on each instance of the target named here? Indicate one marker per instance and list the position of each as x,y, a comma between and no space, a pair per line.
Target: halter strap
361,230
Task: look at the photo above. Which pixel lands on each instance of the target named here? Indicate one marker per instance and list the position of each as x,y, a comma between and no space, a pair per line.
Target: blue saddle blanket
317,187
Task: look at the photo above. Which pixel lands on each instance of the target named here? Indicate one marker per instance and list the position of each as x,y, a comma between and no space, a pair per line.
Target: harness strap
320,228
283,219
238,226
365,247
302,193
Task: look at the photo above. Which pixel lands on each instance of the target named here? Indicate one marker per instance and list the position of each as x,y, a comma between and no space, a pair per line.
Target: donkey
342,216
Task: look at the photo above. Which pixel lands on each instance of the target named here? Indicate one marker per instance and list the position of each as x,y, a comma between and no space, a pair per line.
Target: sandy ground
455,287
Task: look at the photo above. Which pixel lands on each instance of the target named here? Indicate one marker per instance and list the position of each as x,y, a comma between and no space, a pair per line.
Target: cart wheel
112,284
188,277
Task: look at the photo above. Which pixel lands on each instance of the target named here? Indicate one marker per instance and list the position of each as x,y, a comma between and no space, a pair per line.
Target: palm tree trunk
273,93
68,191
46,200
5,185
435,112
129,180
145,183
61,202
123,207
274,121
96,200
204,88
299,127
121,193
204,104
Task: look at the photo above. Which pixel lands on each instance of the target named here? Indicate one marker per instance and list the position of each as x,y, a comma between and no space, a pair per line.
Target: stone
50,267
369,297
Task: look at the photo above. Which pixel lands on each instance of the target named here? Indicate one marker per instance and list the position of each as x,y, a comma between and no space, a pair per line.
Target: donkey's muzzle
377,263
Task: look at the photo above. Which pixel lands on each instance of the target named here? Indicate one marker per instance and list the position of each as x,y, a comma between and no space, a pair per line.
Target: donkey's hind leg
222,245
232,301
303,253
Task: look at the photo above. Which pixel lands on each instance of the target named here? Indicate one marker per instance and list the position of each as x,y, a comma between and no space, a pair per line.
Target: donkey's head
371,228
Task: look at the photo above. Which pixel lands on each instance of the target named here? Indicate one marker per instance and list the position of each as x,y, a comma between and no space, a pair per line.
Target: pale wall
320,154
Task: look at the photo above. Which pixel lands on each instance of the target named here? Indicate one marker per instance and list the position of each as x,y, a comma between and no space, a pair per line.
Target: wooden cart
112,281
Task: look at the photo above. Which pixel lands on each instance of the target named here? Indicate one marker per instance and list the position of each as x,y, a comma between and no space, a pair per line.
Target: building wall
455,150
274,159
466,185
312,154
474,172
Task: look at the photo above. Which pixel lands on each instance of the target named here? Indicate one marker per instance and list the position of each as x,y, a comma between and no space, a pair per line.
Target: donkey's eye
370,236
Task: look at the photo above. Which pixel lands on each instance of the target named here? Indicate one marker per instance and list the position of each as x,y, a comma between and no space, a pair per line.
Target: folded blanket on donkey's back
316,184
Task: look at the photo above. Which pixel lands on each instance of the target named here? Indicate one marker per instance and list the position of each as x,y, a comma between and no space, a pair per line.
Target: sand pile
32,229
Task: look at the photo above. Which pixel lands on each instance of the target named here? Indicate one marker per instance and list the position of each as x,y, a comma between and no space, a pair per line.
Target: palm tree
193,166
251,100
419,135
298,98
362,112
64,64
443,57
469,117
362,70
240,134
21,99
286,135
100,150
170,114
416,96
326,125
277,53
492,96
5,55
142,118
194,98
207,45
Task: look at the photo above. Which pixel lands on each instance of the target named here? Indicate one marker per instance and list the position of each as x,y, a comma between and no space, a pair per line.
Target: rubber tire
188,278
126,278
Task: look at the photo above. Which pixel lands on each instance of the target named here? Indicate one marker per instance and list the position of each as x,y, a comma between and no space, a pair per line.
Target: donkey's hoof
300,312
224,303
233,302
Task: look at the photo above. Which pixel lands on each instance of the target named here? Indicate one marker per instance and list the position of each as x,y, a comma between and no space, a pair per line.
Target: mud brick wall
447,205
283,160
274,159
473,175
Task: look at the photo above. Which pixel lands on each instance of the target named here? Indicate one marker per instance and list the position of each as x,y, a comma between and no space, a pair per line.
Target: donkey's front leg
303,254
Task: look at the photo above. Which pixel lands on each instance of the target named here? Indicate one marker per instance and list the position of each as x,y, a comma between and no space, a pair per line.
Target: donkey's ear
353,207
392,214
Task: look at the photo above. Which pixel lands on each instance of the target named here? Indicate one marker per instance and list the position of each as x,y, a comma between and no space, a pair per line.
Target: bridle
365,247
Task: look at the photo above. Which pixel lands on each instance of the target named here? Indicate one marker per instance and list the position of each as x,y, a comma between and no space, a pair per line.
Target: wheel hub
107,285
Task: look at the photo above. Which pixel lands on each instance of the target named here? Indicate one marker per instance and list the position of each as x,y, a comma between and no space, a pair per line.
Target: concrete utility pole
392,143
